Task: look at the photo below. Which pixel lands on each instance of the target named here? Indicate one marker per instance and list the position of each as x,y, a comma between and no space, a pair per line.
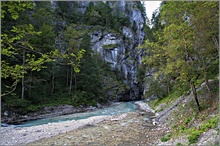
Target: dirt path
131,129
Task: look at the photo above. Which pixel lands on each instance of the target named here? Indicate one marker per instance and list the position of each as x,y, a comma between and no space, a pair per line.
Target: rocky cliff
119,49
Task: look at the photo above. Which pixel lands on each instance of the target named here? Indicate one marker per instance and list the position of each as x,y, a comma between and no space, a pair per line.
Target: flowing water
113,110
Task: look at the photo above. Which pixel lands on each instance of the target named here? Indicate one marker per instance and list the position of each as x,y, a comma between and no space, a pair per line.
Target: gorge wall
119,49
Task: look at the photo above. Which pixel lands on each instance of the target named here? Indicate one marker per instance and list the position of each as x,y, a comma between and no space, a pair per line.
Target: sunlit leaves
18,54
14,7
186,42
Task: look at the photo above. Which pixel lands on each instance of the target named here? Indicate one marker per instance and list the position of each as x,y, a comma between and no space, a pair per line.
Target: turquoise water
113,110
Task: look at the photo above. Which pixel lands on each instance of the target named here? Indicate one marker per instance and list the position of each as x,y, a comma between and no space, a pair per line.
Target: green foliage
194,133
68,11
183,129
14,8
110,46
210,123
181,49
179,144
142,8
102,14
45,73
187,120
166,137
16,102
156,88
17,44
73,53
193,137
99,14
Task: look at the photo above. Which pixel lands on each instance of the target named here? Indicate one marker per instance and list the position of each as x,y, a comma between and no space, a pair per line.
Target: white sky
151,6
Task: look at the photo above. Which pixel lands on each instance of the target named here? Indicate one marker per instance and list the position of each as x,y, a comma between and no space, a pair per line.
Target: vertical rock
122,53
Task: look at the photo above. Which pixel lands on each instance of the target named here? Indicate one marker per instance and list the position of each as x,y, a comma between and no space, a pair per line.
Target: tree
182,46
73,53
205,22
18,54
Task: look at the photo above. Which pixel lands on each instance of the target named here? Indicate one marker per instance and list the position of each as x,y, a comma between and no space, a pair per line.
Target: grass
168,100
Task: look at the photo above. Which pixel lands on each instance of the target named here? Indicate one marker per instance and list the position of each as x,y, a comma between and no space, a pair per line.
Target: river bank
144,127
133,128
47,112
129,126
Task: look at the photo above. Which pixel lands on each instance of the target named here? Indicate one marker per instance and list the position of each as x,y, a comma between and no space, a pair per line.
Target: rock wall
120,49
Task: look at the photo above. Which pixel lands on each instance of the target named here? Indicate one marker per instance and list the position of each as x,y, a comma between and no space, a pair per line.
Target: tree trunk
75,81
67,77
216,43
22,81
53,82
71,79
208,86
195,94
168,85
31,80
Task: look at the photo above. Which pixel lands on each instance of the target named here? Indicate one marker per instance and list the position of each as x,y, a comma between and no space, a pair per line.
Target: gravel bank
126,129
131,129
16,136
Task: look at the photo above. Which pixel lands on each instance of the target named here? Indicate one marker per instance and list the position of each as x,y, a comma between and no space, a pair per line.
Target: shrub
166,137
110,46
17,102
193,137
183,129
211,123
179,144
187,120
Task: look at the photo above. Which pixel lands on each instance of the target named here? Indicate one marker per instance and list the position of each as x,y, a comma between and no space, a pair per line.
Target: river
119,108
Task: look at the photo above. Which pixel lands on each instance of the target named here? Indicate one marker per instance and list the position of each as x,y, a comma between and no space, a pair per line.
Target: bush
183,129
179,144
110,46
211,123
33,108
17,102
193,137
166,137
187,120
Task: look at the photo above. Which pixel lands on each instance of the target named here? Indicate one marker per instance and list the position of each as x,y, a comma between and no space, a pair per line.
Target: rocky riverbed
142,127
130,129
126,129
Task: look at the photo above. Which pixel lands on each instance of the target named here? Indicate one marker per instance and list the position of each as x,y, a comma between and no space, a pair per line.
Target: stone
99,105
160,107
6,113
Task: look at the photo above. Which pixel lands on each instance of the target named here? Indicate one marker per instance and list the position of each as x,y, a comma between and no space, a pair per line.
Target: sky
151,6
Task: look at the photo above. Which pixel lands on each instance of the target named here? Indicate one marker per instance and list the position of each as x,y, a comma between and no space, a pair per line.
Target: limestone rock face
120,50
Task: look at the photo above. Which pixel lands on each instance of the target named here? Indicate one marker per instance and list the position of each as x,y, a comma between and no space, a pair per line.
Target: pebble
106,127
